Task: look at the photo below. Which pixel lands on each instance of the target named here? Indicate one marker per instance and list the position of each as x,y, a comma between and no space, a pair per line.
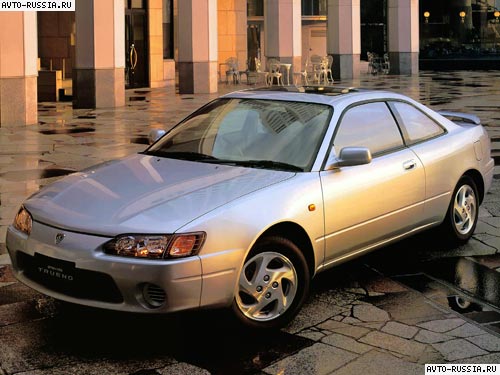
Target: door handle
409,164
133,56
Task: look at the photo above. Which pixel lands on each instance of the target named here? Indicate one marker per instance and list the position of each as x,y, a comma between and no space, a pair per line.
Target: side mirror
155,134
350,156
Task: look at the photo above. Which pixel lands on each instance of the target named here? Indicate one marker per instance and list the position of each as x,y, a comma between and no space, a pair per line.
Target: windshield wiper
269,164
183,155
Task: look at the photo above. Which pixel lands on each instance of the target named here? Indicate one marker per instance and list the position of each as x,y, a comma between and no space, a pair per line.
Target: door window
368,125
416,125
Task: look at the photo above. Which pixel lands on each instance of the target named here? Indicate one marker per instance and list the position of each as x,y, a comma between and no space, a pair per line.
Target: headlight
23,221
156,246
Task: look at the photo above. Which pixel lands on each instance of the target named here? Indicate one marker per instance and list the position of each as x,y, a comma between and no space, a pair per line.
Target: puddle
140,140
474,279
35,174
67,131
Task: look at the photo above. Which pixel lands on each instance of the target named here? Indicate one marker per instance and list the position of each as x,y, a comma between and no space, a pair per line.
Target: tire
461,218
273,284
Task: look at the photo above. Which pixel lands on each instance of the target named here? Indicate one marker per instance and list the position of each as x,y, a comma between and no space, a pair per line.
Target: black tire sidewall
292,252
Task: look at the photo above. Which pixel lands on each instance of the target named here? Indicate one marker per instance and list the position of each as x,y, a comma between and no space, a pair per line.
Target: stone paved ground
383,314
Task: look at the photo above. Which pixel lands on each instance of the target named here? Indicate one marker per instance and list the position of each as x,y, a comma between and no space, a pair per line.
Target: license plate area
52,270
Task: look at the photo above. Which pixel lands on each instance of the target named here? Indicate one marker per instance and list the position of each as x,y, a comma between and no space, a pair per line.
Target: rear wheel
461,219
273,284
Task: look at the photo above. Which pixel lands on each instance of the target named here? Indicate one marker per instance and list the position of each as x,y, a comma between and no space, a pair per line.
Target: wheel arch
478,180
296,234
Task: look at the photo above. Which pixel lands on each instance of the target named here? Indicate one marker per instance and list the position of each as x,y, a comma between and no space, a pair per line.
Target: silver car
248,198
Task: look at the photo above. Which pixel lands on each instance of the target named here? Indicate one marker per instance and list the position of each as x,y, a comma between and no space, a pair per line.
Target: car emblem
59,238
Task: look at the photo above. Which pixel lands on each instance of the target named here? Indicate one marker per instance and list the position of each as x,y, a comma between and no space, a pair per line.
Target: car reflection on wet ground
389,312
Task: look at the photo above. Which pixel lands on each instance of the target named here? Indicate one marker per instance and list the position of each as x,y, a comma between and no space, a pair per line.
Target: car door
424,137
366,205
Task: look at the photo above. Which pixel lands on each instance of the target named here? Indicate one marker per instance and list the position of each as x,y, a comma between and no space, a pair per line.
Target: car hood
144,194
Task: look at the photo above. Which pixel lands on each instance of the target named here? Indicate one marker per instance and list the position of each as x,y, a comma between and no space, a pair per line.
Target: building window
314,7
466,30
168,29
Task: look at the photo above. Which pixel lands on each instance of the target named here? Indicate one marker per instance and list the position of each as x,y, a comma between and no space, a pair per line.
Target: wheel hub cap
267,286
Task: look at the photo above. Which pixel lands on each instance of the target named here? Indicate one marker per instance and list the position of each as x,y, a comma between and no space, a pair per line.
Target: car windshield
269,134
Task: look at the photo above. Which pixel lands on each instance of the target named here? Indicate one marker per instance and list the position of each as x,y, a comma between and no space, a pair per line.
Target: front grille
154,295
73,282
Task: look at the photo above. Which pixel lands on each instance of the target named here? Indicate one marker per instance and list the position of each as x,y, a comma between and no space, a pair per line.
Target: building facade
107,46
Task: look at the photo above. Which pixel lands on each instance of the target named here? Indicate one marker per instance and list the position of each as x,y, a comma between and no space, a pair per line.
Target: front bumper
78,271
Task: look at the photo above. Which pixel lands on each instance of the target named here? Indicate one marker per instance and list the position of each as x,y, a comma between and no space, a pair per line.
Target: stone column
283,32
197,42
403,30
232,31
344,37
155,32
18,68
99,74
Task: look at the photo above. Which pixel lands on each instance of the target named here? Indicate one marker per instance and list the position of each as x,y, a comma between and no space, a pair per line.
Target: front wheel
461,219
273,284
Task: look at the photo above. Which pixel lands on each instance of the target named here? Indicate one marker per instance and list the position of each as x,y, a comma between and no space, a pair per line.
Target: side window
368,125
416,125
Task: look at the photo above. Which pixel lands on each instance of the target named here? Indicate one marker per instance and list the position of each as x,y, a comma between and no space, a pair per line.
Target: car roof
331,95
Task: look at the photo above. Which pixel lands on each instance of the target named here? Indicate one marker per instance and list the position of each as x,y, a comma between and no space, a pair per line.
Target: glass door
136,54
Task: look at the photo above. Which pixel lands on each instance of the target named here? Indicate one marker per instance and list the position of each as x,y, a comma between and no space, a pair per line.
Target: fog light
153,295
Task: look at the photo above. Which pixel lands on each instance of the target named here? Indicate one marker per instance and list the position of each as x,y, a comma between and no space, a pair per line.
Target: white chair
302,76
260,73
232,74
386,64
274,72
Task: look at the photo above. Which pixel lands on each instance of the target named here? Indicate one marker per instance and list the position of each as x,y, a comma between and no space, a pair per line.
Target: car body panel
138,193
356,209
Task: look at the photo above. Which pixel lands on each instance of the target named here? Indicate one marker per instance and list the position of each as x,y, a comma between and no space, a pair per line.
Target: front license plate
54,269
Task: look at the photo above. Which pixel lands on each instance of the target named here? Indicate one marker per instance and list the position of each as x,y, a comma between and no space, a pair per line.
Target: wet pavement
390,312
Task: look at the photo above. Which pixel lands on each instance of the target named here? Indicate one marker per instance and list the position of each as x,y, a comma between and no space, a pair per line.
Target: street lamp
426,16
496,14
462,15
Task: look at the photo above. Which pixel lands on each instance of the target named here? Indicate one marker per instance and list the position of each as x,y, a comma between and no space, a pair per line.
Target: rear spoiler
461,117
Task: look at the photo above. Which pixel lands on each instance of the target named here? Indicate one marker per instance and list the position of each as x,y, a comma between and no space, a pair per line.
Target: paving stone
368,313
487,342
377,363
466,330
394,344
373,326
351,320
489,358
442,325
311,314
458,349
359,291
319,359
385,285
347,343
331,325
400,329
313,335
352,331
182,368
429,337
